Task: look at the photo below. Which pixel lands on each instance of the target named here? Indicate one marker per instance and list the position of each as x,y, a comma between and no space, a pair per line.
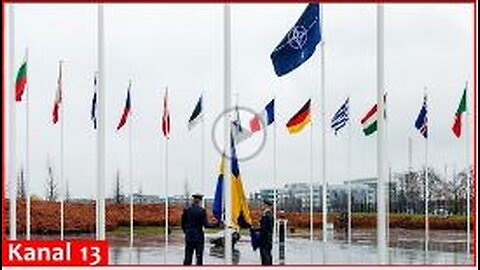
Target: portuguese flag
457,122
300,119
21,81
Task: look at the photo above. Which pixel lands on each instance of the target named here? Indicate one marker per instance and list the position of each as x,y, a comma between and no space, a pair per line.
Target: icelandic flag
299,43
196,114
422,121
126,109
267,116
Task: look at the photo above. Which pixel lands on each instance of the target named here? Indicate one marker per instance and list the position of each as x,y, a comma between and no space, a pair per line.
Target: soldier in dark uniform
194,218
266,232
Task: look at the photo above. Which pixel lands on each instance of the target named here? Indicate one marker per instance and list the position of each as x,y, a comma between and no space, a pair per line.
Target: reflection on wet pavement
406,247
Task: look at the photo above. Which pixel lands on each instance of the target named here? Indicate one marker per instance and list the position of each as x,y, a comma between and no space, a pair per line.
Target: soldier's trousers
190,247
266,255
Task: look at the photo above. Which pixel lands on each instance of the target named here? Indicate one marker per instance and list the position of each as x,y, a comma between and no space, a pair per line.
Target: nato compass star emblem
297,37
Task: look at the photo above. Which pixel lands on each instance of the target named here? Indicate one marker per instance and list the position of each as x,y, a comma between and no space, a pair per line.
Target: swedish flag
240,210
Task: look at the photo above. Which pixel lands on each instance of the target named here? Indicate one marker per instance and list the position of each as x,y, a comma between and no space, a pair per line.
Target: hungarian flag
267,116
369,121
126,109
457,122
21,80
166,116
58,95
300,119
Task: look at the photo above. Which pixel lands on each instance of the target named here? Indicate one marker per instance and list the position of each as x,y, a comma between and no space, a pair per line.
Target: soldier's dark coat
194,219
266,233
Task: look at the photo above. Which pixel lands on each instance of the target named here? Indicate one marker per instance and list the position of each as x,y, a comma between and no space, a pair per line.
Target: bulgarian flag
369,121
462,107
21,80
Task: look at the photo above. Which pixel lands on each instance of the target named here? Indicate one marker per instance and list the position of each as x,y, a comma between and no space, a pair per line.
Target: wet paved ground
406,247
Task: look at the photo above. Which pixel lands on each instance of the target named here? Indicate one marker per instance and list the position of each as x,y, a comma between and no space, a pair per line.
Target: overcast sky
180,46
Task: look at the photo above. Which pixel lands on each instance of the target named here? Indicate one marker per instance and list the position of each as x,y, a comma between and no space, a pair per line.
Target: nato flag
299,43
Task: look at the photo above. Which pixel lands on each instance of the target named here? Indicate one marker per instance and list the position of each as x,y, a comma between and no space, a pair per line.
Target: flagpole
427,191
166,192
130,165
227,103
275,187
311,188
202,158
62,182
324,141
27,157
12,127
101,125
349,175
381,164
467,162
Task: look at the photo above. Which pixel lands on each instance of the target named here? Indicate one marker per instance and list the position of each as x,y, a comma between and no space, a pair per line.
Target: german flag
300,119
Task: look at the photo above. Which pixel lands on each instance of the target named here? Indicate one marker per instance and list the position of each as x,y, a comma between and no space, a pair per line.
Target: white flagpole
202,158
130,165
27,155
12,127
62,180
427,193
166,195
381,164
227,103
311,186
101,125
275,187
467,162
324,140
349,174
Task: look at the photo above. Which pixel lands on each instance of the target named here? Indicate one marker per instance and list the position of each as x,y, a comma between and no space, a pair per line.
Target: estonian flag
93,112
299,43
196,114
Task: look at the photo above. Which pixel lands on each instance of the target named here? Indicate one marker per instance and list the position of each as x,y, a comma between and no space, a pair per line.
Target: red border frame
474,89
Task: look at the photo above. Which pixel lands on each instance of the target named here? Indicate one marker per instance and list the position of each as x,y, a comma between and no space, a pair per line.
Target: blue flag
341,117
422,121
299,43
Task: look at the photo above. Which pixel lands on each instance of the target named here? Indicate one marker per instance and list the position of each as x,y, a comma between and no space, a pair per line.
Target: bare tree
67,190
51,187
186,190
117,191
21,184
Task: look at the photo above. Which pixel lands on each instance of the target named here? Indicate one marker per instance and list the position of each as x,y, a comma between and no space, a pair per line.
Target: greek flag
341,117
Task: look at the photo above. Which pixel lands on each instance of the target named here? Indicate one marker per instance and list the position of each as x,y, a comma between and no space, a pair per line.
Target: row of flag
266,116
297,46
